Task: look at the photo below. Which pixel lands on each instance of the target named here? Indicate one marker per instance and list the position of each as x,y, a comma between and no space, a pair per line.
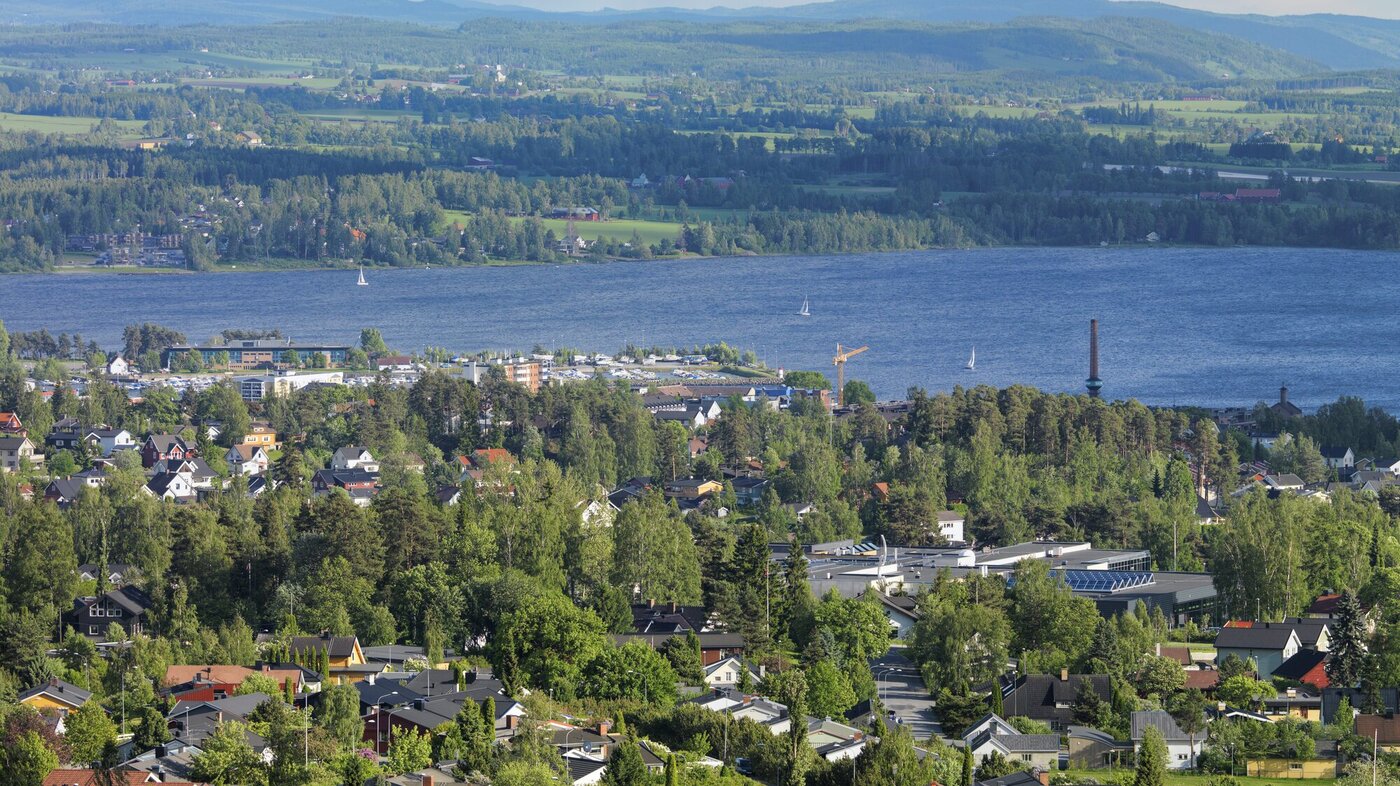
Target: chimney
1093,383
1220,706
427,780
1292,693
219,718
603,728
1064,675
1043,776
651,603
675,607
1283,394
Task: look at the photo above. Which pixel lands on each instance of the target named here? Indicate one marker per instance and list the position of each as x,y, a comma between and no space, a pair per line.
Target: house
163,447
345,658
197,471
749,491
1384,730
991,734
358,483
950,525
1307,666
1091,749
169,762
691,488
354,457
1182,748
1285,482
173,486
16,452
393,363
728,672
1332,699
1321,768
902,611
126,606
1269,647
714,647
1338,457
1285,408
631,489
116,573
249,138
1050,698
107,441
212,682
64,491
448,495
194,722
10,425
118,367
55,695
1294,703
247,459
261,435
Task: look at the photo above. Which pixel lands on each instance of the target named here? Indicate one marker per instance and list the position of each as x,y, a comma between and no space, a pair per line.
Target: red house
164,447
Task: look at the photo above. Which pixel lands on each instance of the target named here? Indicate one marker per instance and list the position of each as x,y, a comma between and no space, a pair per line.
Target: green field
651,232
43,124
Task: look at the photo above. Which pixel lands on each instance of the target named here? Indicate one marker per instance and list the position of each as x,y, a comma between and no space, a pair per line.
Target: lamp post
379,725
390,737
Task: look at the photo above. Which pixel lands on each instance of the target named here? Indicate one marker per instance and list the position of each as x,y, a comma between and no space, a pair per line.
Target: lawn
651,232
44,124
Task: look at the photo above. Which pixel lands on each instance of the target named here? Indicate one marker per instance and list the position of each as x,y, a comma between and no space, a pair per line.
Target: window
92,630
1025,757
1181,757
1296,766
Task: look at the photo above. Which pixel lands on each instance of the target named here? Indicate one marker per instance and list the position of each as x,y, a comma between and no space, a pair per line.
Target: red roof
1202,679
1258,193
481,457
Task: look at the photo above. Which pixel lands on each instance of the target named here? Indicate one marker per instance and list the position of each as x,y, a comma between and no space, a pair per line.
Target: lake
1212,327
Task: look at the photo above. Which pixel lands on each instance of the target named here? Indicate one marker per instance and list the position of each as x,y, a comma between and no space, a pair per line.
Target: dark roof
581,768
1029,742
345,477
65,488
1298,666
1162,721
161,483
337,646
59,689
1047,697
164,442
1021,778
1334,451
1262,638
707,640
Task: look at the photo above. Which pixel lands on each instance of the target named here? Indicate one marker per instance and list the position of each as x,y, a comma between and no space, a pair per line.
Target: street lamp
390,733
379,707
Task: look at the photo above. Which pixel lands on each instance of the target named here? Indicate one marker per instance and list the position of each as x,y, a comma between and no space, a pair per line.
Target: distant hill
1331,41
1339,42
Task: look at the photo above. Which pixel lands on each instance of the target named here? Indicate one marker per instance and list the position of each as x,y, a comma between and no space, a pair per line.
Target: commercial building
258,353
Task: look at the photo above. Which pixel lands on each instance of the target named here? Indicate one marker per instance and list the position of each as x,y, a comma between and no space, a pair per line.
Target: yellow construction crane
840,363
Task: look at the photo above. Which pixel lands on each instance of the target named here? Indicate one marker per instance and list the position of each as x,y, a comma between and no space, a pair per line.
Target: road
902,690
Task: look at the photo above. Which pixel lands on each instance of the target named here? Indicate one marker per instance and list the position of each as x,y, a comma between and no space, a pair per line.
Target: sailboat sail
972,360
806,308
362,282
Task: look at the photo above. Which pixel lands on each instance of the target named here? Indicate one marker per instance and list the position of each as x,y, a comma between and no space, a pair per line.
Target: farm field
43,124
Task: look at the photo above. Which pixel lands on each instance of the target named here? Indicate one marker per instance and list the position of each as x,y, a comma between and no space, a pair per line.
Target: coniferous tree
1152,760
1348,643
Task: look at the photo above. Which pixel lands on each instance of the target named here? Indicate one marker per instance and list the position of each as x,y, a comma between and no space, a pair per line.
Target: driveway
902,690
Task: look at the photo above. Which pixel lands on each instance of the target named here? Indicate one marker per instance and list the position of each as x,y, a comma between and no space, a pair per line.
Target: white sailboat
362,282
972,360
806,310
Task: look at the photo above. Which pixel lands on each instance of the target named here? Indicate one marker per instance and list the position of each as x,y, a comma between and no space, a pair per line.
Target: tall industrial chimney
1093,383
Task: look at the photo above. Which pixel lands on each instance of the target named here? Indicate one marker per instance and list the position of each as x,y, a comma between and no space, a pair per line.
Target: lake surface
1178,326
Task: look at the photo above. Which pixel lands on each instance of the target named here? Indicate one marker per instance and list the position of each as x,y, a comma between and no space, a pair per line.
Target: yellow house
55,695
345,659
1288,768
262,435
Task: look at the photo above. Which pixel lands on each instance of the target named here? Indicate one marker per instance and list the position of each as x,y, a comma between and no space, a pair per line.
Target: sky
1389,9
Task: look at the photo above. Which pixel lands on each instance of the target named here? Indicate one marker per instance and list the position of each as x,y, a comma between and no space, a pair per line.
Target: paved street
902,690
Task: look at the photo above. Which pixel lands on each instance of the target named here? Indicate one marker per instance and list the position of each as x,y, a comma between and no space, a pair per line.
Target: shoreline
295,266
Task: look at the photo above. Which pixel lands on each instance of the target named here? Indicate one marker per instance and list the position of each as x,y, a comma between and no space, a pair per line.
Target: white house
247,459
354,457
902,611
110,440
992,734
1182,748
1338,457
728,672
950,525
118,367
170,485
